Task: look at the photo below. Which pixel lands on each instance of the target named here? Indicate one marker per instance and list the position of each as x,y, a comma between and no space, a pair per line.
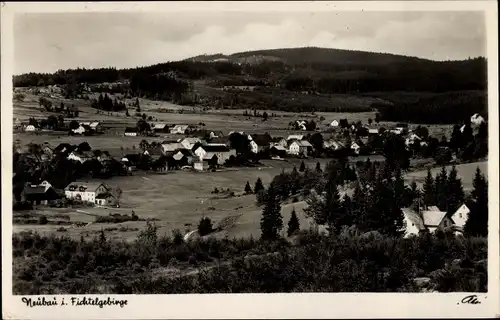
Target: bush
42,220
205,226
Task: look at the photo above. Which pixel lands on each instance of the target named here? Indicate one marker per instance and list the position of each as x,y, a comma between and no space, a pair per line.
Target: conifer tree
399,188
429,189
271,222
293,223
455,191
477,223
441,189
316,208
333,205
248,189
258,186
318,167
302,167
456,138
358,206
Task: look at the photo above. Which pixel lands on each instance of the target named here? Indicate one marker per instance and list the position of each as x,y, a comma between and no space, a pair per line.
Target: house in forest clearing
430,220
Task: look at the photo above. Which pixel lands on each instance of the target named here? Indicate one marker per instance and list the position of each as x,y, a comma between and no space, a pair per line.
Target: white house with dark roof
460,216
299,147
86,191
413,222
430,219
223,153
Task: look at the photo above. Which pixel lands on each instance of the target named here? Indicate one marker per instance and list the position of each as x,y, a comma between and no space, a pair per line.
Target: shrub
205,226
42,220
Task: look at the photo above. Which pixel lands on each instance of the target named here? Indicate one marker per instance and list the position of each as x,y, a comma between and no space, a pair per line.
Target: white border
314,305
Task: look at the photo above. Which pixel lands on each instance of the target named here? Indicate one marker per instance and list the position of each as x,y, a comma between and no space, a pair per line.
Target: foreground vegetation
348,262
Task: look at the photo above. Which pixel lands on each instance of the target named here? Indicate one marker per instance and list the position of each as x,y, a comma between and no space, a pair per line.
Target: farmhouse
299,147
373,131
179,129
171,147
278,151
355,147
188,143
260,143
332,144
92,126
82,128
40,194
87,192
80,156
131,132
161,127
223,153
334,123
413,222
184,157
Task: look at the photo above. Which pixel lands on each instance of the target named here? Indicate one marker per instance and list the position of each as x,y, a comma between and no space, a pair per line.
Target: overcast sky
46,42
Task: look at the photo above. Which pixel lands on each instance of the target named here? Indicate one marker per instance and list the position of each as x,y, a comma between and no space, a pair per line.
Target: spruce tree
441,189
333,205
271,222
455,191
293,224
477,223
258,186
399,188
358,206
318,167
456,138
302,166
248,189
429,190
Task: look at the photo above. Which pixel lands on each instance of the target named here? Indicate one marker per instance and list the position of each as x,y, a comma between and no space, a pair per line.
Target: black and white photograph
289,150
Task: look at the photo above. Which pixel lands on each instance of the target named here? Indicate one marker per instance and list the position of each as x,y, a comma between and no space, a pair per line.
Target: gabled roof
181,126
305,143
215,148
279,147
261,139
131,129
433,208
172,146
414,218
94,124
160,126
295,137
433,218
89,186
191,140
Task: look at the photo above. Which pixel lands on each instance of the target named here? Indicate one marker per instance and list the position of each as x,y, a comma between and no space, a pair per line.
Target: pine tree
271,222
477,223
318,167
441,183
293,224
248,189
399,188
429,190
258,186
358,207
456,138
316,208
333,206
302,166
455,191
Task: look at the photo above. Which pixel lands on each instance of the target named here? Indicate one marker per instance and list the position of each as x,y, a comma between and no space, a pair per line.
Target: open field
224,120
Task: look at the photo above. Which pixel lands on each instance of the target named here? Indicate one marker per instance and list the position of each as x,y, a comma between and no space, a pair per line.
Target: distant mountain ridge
309,55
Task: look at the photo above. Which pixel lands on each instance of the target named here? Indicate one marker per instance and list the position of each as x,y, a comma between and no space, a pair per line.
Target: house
179,129
373,131
215,134
334,123
295,137
80,130
47,152
184,157
102,156
299,147
104,199
223,153
80,156
131,132
40,193
188,143
436,219
355,147
396,130
86,192
161,127
30,128
171,147
476,119
460,216
413,222
91,126
333,144
154,153
278,151
200,165
260,143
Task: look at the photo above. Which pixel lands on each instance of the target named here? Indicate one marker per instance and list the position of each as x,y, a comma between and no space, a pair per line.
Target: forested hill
299,69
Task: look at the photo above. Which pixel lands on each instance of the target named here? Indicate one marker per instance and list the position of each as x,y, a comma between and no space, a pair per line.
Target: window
460,214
